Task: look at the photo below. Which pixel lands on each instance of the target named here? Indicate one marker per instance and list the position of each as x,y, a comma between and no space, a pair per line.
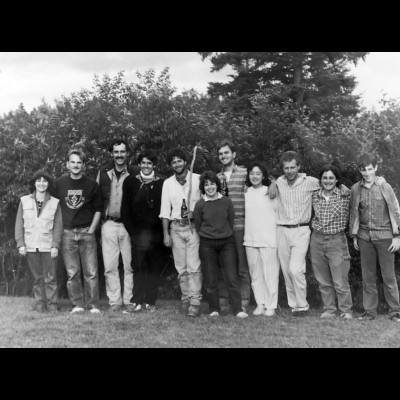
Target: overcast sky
30,77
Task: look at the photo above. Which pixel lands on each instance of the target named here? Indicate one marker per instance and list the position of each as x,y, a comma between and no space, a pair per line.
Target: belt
115,219
182,222
84,229
295,226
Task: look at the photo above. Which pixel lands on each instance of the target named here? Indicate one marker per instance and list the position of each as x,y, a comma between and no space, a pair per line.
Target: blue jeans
43,269
81,248
185,249
331,265
213,252
369,250
242,270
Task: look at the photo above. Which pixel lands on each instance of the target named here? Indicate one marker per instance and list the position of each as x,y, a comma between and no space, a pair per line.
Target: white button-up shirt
173,193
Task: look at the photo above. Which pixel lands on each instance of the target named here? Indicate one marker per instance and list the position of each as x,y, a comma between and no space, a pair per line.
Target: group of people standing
230,233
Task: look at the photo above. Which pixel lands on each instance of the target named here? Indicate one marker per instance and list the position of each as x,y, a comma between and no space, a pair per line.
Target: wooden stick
190,183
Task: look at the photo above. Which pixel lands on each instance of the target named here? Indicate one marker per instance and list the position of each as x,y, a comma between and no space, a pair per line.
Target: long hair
265,181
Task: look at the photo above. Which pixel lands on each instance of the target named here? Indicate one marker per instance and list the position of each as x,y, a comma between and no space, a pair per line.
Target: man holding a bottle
179,230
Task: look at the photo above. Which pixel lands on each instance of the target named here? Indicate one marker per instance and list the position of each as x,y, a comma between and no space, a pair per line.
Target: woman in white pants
260,240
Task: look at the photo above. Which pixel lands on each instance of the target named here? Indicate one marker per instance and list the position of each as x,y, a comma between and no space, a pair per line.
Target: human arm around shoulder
273,190
19,231
58,229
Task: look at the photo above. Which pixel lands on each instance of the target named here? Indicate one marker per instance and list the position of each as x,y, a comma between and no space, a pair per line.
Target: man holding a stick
178,228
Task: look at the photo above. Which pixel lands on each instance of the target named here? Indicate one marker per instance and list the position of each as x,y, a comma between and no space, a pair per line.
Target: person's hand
273,190
167,240
188,214
22,251
395,246
344,190
54,252
355,244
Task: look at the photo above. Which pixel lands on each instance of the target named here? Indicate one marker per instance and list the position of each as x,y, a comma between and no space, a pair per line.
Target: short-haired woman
38,233
213,217
328,246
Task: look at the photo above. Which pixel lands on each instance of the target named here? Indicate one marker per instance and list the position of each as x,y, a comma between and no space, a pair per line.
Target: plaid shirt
330,215
236,189
374,215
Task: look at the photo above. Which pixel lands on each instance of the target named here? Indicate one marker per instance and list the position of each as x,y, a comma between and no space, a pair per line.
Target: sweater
214,219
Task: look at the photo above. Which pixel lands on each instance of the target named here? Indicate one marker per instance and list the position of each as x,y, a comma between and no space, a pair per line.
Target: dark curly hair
209,176
176,153
117,142
335,171
150,154
265,181
41,174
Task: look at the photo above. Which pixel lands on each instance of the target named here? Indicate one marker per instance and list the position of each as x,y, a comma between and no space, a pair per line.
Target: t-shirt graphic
74,198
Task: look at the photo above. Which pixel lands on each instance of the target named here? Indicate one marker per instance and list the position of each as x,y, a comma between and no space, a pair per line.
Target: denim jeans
185,249
115,240
213,252
242,270
369,250
331,265
43,269
149,258
81,248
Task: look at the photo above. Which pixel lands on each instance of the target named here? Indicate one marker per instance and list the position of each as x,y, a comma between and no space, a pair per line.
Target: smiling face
210,189
120,155
75,166
368,173
328,181
178,165
226,156
291,170
41,185
256,177
146,166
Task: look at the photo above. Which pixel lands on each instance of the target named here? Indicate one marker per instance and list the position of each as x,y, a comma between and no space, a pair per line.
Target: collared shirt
173,193
374,214
294,202
331,215
114,205
236,189
206,198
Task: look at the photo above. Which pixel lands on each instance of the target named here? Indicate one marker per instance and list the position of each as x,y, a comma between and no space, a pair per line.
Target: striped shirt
294,202
331,215
236,188
374,214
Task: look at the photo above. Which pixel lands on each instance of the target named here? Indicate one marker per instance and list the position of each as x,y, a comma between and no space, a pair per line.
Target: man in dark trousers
81,207
140,211
115,239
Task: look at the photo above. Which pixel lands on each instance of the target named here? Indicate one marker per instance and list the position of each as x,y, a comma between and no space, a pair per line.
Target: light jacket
391,201
43,231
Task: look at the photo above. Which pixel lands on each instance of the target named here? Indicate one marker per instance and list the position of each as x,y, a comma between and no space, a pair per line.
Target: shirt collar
336,192
375,181
206,198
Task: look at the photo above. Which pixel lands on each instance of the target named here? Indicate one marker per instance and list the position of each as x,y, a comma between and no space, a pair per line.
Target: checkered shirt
374,214
330,215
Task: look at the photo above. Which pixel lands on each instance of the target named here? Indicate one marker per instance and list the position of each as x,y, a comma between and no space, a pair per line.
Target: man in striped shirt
234,177
374,226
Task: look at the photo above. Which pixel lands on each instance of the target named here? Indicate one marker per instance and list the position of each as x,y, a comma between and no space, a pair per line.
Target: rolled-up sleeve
166,205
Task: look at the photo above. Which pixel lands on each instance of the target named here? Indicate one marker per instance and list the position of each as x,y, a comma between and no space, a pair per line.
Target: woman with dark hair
38,233
260,240
214,216
328,246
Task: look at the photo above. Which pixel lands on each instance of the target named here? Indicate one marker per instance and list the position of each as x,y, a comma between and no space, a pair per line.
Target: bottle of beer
224,187
183,209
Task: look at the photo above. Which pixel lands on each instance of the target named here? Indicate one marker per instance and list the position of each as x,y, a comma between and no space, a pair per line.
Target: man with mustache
115,239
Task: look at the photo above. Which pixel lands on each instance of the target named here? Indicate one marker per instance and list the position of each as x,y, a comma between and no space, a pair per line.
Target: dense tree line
150,114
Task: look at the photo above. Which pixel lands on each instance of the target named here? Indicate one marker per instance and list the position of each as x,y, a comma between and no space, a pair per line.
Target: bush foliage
150,114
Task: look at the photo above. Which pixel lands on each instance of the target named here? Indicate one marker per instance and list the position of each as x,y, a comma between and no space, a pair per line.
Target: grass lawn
168,327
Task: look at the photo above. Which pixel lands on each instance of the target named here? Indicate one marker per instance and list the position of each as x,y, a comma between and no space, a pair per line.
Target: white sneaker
214,314
328,314
138,307
242,314
269,313
95,310
77,309
260,310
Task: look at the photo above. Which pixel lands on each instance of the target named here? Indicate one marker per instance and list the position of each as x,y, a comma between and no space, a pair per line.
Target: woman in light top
260,240
38,232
